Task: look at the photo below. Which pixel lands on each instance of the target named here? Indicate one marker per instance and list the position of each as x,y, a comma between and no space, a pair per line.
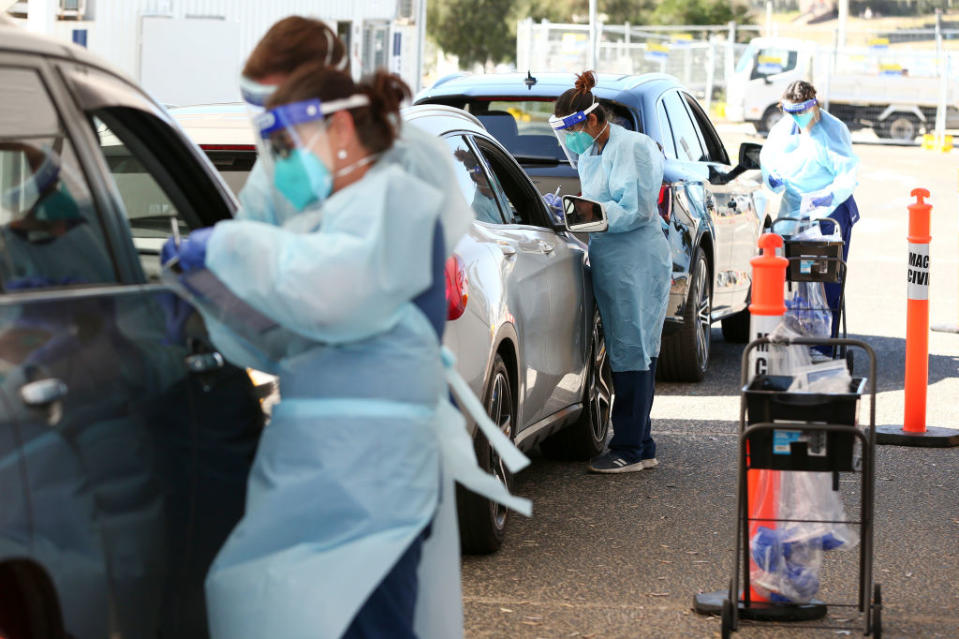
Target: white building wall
114,30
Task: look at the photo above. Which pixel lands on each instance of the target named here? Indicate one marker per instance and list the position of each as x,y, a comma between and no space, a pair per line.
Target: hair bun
585,82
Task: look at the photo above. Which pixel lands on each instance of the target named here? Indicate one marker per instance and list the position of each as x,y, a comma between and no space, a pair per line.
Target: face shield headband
254,93
799,107
572,119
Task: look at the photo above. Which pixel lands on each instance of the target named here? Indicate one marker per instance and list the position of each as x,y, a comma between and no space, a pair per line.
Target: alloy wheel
703,316
601,386
500,410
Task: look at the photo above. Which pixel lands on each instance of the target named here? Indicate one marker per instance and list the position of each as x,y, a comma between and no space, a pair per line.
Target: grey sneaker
613,462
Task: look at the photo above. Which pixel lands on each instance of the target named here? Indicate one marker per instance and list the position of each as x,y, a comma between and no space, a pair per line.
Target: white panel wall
115,33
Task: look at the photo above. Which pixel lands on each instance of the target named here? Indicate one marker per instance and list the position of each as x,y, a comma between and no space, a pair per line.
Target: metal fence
898,83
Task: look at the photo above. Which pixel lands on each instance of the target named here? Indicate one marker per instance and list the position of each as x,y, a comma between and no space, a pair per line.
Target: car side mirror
583,215
749,156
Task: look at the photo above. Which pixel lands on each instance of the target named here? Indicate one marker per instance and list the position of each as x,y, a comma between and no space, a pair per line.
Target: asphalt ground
623,555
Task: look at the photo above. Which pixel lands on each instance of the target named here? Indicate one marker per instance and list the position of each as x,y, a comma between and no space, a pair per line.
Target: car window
715,150
772,60
522,126
669,146
147,200
474,181
522,203
50,232
685,136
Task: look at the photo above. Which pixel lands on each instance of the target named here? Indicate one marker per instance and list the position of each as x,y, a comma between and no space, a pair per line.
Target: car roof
626,89
215,124
17,39
229,123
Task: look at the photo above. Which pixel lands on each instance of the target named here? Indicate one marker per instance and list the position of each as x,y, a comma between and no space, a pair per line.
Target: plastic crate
808,449
813,261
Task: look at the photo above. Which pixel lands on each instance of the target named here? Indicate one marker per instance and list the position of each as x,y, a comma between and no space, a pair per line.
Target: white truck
894,92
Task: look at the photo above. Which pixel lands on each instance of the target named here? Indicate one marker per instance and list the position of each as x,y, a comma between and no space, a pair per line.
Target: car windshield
522,126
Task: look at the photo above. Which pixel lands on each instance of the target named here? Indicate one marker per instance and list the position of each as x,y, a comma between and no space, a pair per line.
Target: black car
125,441
712,212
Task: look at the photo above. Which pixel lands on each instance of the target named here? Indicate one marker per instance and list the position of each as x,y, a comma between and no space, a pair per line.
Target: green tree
700,12
476,31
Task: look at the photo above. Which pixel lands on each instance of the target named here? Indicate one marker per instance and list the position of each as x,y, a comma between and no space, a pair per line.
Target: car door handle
544,247
508,249
43,392
205,362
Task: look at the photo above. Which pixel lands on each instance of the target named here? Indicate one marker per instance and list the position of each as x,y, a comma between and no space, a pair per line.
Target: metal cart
830,420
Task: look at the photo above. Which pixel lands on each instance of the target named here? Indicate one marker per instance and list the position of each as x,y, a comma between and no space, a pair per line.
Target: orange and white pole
765,314
914,431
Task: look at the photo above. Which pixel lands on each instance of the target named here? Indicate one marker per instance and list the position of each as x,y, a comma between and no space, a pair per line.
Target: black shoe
613,462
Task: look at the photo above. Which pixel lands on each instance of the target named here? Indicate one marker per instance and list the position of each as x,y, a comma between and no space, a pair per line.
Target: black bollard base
934,437
711,603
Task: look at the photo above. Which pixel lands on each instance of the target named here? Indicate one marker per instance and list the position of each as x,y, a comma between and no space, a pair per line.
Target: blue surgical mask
579,142
802,119
302,178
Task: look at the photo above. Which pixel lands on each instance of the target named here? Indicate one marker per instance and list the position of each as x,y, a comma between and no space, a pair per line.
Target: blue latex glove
555,204
191,251
775,181
824,200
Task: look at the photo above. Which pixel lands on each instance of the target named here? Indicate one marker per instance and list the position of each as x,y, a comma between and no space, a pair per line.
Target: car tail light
665,202
457,288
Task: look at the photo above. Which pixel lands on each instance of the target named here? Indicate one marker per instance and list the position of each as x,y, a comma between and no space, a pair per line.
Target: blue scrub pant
388,612
632,437
845,215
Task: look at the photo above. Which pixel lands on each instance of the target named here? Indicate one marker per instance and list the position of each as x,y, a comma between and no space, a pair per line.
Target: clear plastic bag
788,555
807,311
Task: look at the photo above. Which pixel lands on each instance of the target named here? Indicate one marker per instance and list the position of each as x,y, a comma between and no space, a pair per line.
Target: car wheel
684,356
770,118
483,521
900,127
736,327
587,437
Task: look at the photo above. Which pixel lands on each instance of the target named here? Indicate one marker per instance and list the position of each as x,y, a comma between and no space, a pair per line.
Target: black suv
712,212
125,441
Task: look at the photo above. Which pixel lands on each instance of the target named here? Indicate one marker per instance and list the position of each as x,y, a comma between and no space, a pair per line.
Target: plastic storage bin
810,449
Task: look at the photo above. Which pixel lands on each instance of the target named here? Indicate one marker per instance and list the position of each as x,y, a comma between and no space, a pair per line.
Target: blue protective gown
362,451
630,263
819,162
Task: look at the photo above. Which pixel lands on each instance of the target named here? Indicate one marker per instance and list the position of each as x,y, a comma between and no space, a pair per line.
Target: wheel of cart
823,431
818,261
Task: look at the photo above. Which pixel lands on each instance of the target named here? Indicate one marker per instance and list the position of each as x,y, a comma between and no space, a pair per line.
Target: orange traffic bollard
915,431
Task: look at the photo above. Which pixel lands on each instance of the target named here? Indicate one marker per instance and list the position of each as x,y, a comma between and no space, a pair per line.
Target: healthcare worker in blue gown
630,263
350,528
808,157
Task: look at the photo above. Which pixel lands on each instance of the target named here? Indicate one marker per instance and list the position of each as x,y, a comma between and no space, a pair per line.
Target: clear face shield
801,112
295,148
568,129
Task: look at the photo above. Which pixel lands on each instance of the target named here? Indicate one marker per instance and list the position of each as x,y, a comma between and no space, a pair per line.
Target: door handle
205,362
508,249
43,392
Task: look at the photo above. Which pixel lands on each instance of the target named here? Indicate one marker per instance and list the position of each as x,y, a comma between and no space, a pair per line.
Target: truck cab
762,72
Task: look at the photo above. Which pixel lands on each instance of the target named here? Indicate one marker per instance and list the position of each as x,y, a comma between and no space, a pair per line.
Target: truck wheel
684,356
900,127
770,118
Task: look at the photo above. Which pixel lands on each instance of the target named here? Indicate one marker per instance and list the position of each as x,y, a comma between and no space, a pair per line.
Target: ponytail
579,98
377,125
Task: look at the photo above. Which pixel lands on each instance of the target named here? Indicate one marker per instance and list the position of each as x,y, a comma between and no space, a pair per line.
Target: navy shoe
613,462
